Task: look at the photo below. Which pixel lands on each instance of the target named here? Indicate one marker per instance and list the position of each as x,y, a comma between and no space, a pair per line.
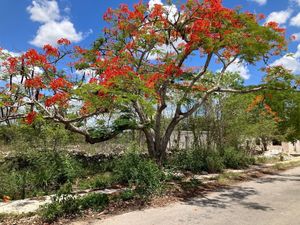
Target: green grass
229,177
266,160
286,165
97,181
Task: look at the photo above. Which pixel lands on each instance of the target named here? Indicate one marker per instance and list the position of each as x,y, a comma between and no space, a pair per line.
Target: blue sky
25,24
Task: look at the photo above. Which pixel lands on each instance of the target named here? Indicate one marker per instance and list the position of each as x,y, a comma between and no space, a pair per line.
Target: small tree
139,69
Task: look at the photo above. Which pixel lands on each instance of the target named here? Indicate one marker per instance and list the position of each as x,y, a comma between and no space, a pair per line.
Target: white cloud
241,68
290,61
296,1
171,13
152,3
50,32
86,72
165,49
295,21
53,25
260,2
44,11
9,53
280,17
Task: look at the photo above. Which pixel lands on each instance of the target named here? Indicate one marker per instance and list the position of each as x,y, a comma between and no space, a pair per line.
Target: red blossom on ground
6,199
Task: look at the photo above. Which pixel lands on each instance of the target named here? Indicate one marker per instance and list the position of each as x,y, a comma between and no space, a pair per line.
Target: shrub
127,195
95,201
99,181
64,205
197,160
213,163
237,159
61,205
33,172
139,172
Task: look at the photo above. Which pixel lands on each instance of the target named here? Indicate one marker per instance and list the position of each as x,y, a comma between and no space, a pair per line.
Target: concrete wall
185,139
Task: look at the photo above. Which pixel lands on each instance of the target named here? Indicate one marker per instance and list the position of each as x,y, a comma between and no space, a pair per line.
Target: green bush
197,160
36,172
213,162
127,195
99,181
95,201
64,205
137,171
61,206
237,159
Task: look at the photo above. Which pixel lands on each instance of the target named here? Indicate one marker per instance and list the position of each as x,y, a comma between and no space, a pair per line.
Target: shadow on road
279,178
226,197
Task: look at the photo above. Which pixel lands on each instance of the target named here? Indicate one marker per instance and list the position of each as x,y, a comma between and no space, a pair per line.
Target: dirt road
271,200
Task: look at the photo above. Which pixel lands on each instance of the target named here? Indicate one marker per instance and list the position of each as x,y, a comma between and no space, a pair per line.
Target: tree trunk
157,151
264,144
157,145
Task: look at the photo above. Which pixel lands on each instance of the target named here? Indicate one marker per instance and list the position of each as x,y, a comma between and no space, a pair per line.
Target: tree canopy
138,69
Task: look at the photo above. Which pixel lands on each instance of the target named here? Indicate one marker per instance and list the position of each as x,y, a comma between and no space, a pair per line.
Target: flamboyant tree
138,70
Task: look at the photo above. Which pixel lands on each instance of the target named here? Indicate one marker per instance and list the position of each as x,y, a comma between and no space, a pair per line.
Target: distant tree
231,120
287,106
262,122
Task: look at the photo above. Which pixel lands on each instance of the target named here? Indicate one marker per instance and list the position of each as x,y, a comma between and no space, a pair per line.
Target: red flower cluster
80,50
59,83
93,80
171,70
275,26
125,13
35,82
85,108
137,14
60,98
152,80
157,11
33,58
12,63
199,88
108,15
261,16
51,51
30,117
258,99
114,70
6,199
293,38
63,41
